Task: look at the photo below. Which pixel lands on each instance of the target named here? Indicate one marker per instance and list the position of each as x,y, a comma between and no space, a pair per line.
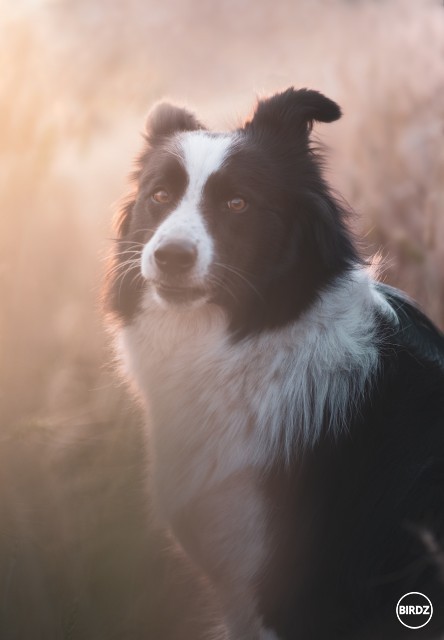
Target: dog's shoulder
414,330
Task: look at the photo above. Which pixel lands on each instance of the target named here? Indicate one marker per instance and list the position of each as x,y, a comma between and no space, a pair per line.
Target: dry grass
76,80
72,103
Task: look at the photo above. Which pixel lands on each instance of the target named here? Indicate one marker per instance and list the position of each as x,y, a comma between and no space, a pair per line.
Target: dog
296,405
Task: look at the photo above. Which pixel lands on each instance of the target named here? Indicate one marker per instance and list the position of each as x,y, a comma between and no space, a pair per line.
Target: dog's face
240,219
215,216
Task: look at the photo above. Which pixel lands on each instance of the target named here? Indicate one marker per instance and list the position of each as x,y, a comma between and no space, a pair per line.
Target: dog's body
296,406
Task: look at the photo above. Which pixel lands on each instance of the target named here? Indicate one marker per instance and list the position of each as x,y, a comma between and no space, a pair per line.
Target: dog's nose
175,256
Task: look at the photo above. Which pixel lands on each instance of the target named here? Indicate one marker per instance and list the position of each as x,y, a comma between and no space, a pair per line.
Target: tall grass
77,79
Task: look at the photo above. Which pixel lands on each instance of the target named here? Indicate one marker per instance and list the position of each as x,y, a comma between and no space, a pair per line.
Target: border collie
296,405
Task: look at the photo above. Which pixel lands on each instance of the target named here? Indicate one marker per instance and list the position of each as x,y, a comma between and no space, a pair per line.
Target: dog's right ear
164,119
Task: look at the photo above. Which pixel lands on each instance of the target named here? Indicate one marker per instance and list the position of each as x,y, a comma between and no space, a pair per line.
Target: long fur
296,407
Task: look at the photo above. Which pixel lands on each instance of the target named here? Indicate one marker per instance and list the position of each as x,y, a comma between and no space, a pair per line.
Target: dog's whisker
119,254
122,276
132,263
219,282
235,272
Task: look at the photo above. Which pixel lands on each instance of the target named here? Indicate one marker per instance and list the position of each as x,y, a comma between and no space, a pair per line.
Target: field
77,557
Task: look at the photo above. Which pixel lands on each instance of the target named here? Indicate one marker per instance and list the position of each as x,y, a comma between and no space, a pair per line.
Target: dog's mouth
179,294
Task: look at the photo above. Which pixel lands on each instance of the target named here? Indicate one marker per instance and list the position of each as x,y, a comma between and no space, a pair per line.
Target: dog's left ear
293,112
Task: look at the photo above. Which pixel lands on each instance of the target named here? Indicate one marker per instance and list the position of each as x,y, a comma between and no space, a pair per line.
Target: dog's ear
293,112
165,119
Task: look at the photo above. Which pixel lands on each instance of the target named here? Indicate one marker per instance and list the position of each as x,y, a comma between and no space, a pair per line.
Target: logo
414,610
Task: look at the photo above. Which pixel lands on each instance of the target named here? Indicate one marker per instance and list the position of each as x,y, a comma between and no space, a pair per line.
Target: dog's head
240,219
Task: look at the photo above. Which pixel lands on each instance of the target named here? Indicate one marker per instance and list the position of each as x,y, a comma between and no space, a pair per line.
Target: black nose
175,256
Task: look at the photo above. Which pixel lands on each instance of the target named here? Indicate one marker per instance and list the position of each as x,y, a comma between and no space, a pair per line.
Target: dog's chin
170,296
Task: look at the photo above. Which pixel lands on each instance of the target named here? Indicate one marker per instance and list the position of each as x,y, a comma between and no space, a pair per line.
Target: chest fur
218,406
212,405
222,412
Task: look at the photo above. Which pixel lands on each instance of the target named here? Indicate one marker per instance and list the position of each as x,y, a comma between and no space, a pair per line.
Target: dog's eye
237,205
161,196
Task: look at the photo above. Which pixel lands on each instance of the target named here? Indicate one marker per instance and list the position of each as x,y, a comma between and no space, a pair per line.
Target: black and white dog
296,405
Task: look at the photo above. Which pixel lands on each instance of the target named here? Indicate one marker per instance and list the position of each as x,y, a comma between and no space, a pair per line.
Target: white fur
230,524
221,412
267,634
202,154
218,407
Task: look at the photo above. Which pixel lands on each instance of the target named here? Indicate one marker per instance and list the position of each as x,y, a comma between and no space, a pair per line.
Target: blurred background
76,80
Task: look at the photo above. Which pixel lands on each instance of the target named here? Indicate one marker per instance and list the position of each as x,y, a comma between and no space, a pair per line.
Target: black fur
354,516
290,243
291,114
123,286
165,119
365,505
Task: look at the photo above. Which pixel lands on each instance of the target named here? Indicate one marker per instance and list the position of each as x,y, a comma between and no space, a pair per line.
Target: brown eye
237,205
161,196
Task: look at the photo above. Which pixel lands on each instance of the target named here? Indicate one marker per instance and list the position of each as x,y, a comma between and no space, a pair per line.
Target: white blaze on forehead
202,154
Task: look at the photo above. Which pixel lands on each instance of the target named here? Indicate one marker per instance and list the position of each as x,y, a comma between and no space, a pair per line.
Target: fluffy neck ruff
219,406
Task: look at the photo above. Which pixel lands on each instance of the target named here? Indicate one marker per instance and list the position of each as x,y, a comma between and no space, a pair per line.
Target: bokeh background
76,80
